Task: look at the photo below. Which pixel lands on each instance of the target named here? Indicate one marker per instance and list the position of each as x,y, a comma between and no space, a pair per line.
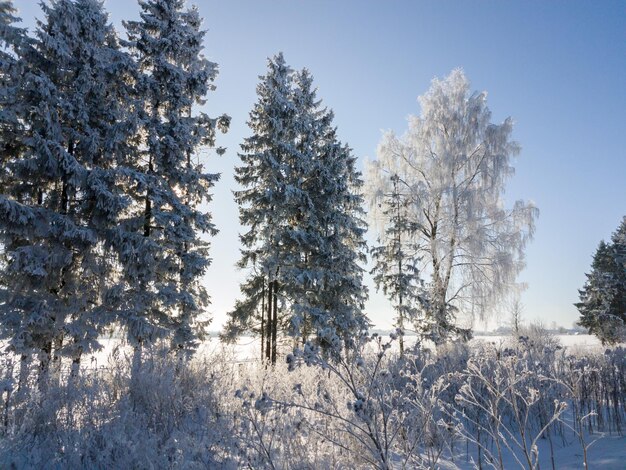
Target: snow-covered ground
248,348
607,452
573,342
159,383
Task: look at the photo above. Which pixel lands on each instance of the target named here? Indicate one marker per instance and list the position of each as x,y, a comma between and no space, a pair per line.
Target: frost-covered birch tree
453,164
163,293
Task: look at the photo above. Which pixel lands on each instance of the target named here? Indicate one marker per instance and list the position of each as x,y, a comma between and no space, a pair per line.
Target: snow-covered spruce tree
12,40
302,205
454,165
100,127
328,295
396,262
57,198
266,177
619,244
163,295
602,303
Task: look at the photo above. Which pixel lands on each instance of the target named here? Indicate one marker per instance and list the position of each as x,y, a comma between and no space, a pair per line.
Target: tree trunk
263,321
400,311
268,336
24,373
397,203
44,365
401,328
147,214
275,322
76,365
136,363
55,346
56,357
134,373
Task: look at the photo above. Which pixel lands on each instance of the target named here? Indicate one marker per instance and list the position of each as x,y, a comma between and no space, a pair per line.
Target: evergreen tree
266,176
396,262
163,292
302,205
40,231
602,303
12,41
60,190
100,128
619,244
329,227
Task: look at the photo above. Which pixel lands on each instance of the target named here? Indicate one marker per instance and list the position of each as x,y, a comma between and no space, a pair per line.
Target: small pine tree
602,303
396,262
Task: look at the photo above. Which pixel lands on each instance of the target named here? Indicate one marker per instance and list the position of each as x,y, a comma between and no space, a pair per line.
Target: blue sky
558,68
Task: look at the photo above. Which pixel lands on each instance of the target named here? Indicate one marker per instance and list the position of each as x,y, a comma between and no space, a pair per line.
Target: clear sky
557,67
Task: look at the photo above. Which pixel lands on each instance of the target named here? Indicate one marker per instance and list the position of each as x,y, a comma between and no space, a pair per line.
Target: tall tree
61,191
164,293
266,177
602,303
302,204
454,165
13,40
328,295
100,128
43,233
16,220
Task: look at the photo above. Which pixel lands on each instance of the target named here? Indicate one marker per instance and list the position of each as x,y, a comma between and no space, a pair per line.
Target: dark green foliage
602,303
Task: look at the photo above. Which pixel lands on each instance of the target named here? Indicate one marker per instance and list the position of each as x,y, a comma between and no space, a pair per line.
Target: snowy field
248,348
574,343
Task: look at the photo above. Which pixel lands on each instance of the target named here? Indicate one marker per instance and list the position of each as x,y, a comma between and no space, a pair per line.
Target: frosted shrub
167,417
598,385
371,404
272,435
